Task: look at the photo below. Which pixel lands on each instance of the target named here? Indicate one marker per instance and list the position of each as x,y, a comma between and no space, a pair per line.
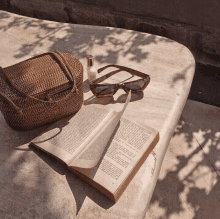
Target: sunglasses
107,90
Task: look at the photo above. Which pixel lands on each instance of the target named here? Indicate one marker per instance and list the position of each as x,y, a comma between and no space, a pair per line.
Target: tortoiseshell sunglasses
107,90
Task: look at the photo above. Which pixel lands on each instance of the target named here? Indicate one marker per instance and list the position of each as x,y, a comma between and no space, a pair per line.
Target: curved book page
127,150
73,138
92,152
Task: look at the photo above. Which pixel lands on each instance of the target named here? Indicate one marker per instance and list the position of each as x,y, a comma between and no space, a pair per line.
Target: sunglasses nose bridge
122,86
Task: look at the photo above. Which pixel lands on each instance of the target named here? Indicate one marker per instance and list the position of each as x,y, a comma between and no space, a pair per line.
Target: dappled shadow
28,183
189,185
182,75
81,43
79,189
110,100
24,179
32,184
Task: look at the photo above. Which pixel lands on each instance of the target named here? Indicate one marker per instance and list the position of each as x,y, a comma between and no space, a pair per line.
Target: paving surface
189,183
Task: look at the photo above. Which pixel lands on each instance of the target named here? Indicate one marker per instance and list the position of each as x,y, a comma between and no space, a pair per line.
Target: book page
90,156
66,138
130,145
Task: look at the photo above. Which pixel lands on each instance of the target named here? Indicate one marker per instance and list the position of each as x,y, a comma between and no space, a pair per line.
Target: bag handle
11,102
68,71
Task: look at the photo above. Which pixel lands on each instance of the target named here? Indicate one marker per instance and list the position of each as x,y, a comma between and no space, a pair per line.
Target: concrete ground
189,183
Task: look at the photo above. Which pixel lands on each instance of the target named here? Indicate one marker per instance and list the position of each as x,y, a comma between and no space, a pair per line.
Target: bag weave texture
41,90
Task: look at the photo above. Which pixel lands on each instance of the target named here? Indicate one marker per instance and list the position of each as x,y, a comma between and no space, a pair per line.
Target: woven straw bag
41,90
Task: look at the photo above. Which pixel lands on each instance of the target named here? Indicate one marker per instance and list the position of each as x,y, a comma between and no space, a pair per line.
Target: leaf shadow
33,176
190,179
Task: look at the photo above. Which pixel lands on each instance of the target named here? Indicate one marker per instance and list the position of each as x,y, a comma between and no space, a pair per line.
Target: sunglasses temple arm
103,68
106,76
131,71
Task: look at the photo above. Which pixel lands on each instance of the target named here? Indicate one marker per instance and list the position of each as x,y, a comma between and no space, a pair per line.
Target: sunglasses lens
104,89
136,85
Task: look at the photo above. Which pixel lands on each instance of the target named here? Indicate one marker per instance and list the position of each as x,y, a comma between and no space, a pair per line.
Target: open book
99,146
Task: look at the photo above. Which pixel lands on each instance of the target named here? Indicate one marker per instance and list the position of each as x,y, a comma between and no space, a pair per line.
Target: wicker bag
41,90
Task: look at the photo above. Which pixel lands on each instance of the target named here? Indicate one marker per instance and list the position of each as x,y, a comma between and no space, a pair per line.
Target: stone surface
36,185
203,41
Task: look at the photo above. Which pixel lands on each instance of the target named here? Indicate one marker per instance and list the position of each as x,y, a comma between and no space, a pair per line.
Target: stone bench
36,185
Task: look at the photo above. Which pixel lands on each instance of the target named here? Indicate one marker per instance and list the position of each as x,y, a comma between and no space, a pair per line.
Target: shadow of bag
41,90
